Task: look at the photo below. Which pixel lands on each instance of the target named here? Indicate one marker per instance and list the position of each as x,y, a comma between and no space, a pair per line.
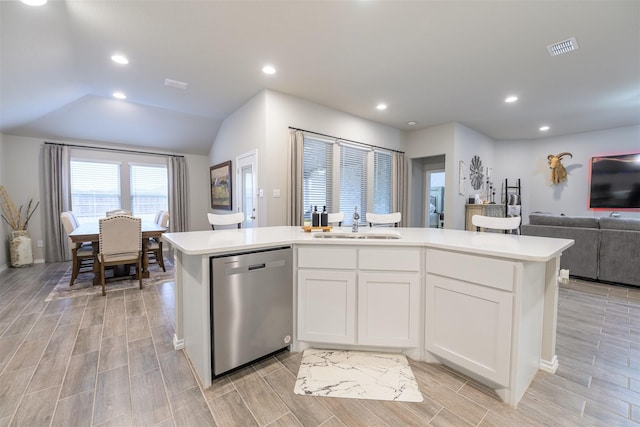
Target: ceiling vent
562,47
176,84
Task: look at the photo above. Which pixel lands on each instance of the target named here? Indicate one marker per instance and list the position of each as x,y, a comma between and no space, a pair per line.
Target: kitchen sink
359,236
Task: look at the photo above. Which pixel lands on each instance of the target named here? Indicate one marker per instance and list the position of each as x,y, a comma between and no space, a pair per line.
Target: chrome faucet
356,218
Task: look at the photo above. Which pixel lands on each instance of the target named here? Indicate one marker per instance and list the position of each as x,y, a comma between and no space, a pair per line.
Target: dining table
90,232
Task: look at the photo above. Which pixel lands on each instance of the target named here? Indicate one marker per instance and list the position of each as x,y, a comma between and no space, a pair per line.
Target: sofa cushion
581,259
620,224
563,221
618,260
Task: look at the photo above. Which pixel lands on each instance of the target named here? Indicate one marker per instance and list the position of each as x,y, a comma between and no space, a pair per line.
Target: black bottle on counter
324,217
315,217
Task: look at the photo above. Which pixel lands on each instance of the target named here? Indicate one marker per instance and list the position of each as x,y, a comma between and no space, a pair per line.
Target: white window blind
353,181
317,176
363,178
382,182
149,190
95,188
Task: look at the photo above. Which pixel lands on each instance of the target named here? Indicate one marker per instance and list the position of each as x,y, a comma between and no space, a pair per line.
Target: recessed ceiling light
119,95
120,59
544,128
269,69
411,123
34,2
381,107
511,99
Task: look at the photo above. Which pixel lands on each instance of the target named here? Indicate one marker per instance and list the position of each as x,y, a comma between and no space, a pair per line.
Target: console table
481,209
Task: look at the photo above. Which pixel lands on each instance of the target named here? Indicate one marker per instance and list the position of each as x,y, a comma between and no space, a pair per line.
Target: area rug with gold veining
83,286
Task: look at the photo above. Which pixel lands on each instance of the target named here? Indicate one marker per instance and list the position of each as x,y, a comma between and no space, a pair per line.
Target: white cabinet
326,306
485,315
388,309
380,288
327,294
470,325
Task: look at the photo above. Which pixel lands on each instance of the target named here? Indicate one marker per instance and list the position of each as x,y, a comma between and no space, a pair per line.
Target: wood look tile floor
109,361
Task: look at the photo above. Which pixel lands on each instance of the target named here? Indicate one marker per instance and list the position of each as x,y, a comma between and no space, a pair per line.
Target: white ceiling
431,61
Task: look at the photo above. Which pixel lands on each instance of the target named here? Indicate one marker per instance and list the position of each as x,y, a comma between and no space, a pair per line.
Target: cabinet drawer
327,257
389,259
495,273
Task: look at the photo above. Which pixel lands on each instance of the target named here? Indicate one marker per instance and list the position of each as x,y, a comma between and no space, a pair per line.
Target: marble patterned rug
357,375
83,284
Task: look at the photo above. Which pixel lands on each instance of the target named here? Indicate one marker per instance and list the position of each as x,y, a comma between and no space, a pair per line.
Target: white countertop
526,248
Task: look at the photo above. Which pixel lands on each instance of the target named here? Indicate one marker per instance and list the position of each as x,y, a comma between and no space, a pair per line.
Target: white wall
528,161
4,236
21,169
284,111
22,163
471,143
243,131
263,124
435,141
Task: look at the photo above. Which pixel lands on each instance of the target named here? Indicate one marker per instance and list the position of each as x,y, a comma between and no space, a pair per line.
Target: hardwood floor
109,361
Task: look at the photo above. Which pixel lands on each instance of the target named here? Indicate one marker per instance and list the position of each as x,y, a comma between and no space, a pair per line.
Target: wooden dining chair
120,243
81,254
226,219
384,219
508,225
155,244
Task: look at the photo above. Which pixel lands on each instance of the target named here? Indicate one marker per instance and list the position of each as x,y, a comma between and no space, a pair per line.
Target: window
317,176
102,181
382,182
353,181
345,176
95,188
149,190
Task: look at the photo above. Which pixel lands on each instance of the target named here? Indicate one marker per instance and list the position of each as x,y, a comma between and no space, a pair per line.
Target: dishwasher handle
231,269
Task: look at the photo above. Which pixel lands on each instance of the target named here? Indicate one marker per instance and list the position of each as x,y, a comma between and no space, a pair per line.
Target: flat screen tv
615,182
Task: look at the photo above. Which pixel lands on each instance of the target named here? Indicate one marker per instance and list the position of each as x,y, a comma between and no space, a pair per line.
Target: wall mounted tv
615,182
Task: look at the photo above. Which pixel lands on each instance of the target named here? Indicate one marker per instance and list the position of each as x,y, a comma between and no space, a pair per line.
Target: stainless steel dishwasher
251,306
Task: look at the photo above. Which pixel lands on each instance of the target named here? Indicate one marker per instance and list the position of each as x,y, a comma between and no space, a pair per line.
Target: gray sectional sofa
605,248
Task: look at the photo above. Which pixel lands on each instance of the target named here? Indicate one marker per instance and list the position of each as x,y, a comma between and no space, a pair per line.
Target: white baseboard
3,267
549,366
38,261
177,344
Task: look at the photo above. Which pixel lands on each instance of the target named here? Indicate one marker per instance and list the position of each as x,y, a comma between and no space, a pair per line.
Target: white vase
20,249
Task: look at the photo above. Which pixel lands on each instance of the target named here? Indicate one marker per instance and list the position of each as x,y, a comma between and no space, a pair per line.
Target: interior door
247,193
434,209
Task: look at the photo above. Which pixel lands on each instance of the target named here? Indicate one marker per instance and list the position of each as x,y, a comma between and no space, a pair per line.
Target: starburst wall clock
475,173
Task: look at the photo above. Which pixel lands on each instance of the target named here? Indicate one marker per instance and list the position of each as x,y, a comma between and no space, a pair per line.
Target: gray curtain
178,194
56,199
295,212
399,196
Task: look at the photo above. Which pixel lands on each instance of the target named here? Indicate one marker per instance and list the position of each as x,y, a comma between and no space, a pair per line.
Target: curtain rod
120,150
346,140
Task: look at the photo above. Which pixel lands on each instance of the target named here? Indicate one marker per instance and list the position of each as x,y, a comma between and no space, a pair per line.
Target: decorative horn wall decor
558,172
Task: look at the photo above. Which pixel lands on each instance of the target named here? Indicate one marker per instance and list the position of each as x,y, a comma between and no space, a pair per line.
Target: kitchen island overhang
462,263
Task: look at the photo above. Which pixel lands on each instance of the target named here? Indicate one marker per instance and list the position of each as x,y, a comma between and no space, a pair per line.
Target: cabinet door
388,309
470,325
326,306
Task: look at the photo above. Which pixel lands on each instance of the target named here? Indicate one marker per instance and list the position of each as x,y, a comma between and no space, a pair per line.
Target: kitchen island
483,303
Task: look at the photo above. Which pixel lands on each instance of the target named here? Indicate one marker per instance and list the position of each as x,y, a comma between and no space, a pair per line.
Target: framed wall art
220,176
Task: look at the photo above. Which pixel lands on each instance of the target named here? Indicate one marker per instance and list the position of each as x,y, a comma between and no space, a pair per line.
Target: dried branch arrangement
17,218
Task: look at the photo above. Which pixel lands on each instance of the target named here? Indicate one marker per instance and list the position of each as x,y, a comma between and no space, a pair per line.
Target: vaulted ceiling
431,62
